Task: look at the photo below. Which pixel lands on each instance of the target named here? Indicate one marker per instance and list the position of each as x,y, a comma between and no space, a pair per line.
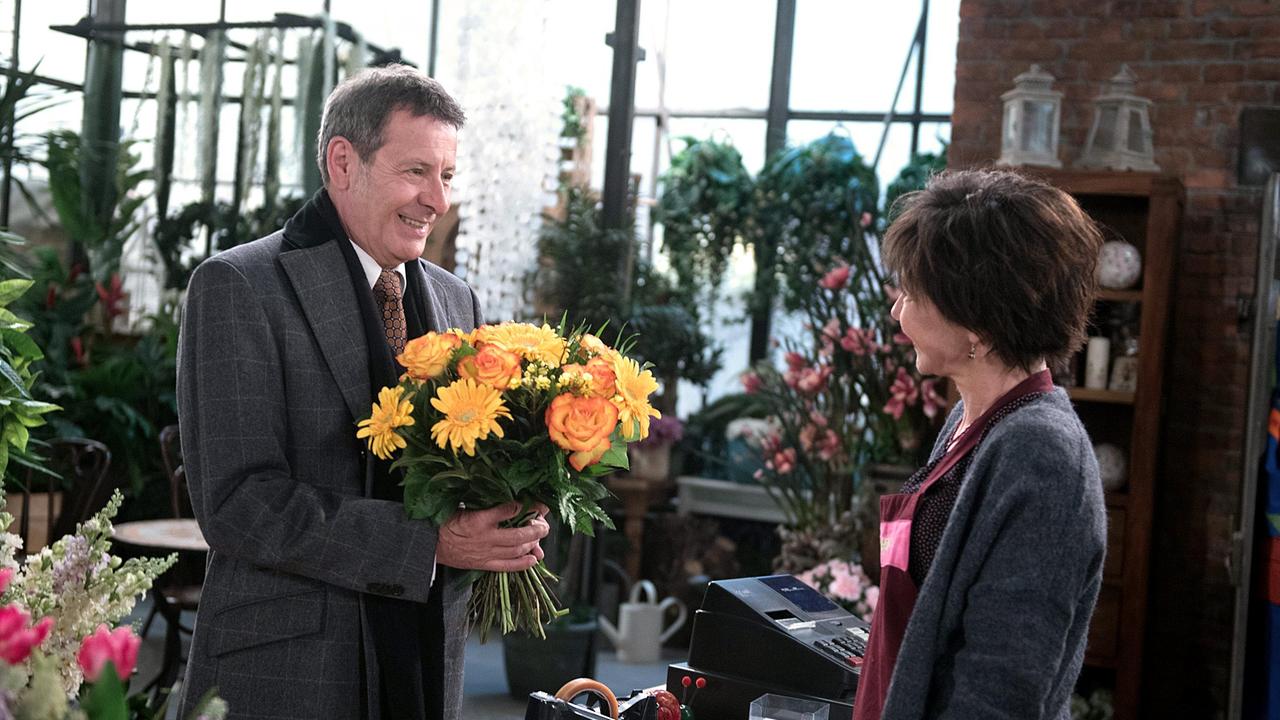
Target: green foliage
572,125
705,209
100,232
914,176
116,389
219,225
20,411
812,199
582,279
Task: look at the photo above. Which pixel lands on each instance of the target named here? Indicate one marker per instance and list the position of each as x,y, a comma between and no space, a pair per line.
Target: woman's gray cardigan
1000,624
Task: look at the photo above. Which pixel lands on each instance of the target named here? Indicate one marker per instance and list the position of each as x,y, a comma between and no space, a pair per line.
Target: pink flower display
17,636
903,392
858,341
846,584
119,647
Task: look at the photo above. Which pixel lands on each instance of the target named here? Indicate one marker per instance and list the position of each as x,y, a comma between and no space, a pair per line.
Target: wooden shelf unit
1146,209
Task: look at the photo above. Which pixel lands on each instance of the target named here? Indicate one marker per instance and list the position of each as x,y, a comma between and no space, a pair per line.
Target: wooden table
170,535
179,534
636,495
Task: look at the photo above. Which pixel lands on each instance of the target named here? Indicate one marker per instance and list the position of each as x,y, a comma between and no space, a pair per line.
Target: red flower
119,647
751,382
17,636
112,297
77,351
796,361
835,278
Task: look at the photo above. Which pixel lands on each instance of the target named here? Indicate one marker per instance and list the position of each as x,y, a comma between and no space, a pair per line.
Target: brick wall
1201,62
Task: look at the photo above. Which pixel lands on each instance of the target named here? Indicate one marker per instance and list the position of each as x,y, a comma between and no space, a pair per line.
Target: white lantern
1120,138
1029,131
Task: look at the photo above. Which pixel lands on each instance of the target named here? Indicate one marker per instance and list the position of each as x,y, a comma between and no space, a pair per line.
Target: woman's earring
973,350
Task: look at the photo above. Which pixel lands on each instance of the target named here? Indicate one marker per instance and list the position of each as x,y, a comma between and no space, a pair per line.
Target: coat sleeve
248,500
1040,573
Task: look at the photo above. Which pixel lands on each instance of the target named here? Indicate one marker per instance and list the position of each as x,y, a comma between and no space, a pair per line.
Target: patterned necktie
388,294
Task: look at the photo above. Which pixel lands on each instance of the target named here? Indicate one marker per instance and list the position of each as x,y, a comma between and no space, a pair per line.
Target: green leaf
22,344
106,698
11,290
616,456
8,373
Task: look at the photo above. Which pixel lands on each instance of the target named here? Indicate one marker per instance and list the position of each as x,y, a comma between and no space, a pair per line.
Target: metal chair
179,589
80,489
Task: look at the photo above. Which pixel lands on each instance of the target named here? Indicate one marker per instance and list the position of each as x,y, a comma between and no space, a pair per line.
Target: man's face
389,202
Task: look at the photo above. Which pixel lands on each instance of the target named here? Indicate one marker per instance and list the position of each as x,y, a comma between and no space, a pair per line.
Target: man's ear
340,158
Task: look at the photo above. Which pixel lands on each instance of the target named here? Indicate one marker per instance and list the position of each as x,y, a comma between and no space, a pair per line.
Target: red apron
897,590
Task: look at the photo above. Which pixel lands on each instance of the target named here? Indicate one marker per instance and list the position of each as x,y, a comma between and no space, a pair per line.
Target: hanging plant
250,125
271,163
166,126
309,115
704,211
211,59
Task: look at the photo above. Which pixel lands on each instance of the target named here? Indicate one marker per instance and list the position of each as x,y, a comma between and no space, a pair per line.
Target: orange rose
581,425
603,379
592,344
492,366
427,356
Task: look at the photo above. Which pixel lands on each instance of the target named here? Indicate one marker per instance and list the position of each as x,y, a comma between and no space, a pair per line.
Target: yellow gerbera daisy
634,386
528,341
390,412
471,411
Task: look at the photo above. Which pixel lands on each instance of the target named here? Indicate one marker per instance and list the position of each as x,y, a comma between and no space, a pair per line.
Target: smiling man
321,598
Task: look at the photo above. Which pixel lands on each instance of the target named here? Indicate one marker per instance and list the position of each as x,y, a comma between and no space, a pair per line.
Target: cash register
771,634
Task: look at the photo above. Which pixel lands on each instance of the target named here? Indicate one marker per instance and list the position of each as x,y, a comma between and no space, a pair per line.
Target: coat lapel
433,306
320,279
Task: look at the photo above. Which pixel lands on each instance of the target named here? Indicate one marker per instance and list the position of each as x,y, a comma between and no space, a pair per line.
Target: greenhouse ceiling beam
283,21
830,115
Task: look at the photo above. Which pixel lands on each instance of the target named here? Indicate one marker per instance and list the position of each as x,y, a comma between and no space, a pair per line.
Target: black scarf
407,638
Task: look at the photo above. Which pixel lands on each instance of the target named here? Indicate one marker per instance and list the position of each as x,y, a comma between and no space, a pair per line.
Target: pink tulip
17,636
119,647
835,278
796,361
751,382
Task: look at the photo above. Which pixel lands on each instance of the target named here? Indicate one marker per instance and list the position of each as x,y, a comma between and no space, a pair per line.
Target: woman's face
942,347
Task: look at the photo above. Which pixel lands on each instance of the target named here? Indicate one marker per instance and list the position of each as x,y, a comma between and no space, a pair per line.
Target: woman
991,556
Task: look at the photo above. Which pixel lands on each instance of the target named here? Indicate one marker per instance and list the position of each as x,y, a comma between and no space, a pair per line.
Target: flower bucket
650,463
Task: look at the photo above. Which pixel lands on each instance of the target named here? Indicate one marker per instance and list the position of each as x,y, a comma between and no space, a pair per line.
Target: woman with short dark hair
991,556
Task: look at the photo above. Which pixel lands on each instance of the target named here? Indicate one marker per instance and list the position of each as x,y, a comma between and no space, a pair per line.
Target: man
321,598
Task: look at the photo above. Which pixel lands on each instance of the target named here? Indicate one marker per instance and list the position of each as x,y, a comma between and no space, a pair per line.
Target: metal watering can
639,635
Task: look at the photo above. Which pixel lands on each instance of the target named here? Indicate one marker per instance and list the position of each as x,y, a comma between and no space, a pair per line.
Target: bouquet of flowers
511,412
846,584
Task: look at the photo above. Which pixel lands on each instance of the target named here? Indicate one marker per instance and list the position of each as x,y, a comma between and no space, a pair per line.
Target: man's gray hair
358,108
